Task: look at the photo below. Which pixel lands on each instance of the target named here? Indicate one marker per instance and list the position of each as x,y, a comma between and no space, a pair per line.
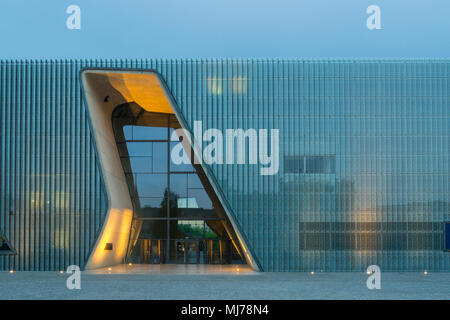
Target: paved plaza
209,282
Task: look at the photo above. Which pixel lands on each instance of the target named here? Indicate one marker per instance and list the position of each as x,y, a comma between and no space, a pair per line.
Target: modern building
284,165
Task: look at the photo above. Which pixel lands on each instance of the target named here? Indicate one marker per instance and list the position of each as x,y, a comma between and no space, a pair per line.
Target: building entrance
177,216
153,251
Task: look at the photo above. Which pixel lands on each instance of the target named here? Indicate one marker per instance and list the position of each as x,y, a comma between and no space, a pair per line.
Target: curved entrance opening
159,212
176,216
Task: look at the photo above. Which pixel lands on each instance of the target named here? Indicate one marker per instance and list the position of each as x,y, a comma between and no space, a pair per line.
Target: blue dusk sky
224,29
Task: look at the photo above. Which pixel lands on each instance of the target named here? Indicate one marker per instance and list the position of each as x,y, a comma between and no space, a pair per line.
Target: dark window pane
194,181
201,199
178,184
151,185
151,208
320,164
153,229
151,202
294,164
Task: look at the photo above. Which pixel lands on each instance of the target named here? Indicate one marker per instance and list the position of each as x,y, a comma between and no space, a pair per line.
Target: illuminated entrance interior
176,216
154,220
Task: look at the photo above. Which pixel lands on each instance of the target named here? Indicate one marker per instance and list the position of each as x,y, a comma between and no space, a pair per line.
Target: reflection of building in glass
364,173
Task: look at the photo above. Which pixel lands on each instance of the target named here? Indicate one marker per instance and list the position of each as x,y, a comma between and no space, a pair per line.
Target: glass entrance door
191,253
187,251
184,251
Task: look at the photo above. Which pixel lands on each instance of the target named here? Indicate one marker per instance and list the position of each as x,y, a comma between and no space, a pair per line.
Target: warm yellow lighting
145,90
238,85
312,272
117,229
109,269
61,239
142,88
425,272
11,271
130,264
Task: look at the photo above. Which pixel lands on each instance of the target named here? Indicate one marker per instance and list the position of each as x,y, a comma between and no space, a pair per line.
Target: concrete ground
193,282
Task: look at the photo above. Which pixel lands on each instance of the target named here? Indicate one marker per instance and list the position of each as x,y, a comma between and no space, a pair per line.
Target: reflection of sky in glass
187,203
148,161
144,133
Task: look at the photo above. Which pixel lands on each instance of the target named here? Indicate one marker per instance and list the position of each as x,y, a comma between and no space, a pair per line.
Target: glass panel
294,164
128,132
146,168
191,252
184,203
148,251
320,164
182,166
189,229
141,164
174,210
202,252
152,207
179,251
153,229
153,202
194,181
159,157
178,184
213,251
149,133
151,185
139,148
201,198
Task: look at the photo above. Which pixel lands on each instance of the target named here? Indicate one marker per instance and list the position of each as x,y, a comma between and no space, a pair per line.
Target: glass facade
175,220
364,153
52,199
